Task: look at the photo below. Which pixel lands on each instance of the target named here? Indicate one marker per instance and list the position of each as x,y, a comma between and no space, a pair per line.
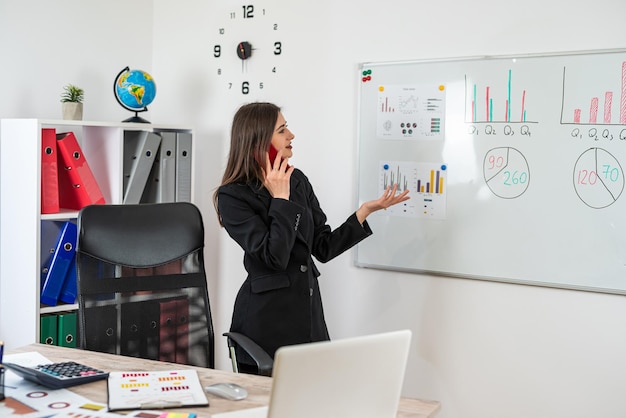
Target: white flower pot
72,111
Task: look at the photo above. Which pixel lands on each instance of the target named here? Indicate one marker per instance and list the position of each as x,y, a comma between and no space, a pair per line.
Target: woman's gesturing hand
388,198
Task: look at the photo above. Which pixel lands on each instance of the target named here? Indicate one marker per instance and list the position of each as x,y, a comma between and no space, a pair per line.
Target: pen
159,404
1,382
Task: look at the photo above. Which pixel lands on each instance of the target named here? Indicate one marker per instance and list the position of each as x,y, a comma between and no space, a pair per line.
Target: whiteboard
515,166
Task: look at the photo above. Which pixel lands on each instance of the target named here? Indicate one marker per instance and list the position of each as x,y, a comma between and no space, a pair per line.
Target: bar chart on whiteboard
426,183
597,99
502,102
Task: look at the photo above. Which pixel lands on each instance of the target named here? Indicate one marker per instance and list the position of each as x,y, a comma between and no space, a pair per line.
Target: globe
134,91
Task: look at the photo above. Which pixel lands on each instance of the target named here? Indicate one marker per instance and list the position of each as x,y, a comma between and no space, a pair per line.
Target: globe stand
136,119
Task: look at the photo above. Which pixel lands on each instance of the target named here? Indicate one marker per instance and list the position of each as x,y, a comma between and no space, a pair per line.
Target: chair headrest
140,235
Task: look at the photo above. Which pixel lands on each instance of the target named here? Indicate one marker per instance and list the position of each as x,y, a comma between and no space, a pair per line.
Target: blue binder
59,264
70,288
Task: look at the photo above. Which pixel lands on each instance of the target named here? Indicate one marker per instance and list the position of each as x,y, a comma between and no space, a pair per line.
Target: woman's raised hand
277,175
387,199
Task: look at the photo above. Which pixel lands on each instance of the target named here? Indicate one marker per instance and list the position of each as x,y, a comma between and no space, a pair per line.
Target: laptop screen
354,377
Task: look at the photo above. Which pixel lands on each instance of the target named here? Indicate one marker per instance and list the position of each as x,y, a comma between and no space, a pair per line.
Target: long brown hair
250,138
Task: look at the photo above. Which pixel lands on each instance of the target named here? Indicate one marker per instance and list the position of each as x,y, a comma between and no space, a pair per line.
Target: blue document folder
70,288
59,264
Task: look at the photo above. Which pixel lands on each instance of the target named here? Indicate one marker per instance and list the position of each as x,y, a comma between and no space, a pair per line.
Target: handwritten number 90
495,162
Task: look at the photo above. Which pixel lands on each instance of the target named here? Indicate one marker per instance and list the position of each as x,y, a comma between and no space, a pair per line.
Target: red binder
174,331
49,172
77,185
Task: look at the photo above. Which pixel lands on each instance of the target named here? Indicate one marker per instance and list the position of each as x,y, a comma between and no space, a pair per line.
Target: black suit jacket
279,303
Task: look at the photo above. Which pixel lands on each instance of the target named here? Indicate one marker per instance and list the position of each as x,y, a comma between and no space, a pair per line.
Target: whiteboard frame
443,274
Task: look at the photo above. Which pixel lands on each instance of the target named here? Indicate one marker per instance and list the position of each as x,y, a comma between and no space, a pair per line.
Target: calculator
58,375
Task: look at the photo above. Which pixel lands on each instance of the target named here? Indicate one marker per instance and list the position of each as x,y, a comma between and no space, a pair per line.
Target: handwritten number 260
515,178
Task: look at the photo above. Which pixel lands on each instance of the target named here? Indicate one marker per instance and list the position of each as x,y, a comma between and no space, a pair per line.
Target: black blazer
279,303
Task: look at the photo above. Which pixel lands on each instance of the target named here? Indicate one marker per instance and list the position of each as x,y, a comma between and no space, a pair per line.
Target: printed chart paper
155,389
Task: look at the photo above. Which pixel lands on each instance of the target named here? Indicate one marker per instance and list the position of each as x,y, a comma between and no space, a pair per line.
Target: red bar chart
591,101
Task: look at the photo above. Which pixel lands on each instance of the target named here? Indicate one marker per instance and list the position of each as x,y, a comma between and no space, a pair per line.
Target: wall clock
248,50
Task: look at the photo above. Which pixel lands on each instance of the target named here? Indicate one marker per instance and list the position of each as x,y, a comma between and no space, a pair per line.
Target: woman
269,208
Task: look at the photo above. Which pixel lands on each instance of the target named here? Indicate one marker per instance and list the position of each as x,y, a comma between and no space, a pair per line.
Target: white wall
483,349
45,45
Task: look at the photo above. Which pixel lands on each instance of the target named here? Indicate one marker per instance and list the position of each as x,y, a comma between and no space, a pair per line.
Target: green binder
67,329
48,332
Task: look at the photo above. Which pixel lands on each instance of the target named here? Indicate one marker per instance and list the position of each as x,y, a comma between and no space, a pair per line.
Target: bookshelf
21,220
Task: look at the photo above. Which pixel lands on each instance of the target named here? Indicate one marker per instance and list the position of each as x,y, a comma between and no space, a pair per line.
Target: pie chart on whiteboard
506,172
598,178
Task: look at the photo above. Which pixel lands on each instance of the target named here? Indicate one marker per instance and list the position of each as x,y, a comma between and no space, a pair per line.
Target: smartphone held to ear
273,153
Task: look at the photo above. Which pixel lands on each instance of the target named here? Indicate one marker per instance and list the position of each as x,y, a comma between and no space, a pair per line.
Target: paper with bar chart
427,187
411,111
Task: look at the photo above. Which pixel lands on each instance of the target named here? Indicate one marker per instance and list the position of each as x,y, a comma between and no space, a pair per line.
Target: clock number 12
248,11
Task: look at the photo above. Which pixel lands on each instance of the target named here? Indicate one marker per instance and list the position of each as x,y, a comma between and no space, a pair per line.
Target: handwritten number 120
590,177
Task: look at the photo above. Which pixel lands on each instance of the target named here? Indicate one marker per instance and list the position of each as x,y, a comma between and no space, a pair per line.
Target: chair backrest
142,288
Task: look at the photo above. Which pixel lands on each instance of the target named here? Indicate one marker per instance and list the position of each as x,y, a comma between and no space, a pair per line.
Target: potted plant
72,102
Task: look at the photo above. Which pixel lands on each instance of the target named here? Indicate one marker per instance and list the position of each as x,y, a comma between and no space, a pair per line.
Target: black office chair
142,288
246,347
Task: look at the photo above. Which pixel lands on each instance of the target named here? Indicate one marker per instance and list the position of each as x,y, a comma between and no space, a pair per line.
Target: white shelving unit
20,209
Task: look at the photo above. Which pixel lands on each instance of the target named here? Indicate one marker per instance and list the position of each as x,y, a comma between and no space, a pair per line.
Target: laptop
353,377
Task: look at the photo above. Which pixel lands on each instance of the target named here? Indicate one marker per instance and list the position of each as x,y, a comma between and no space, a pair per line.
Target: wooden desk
258,386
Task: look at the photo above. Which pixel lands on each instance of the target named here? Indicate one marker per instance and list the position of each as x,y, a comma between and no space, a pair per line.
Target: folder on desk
59,264
143,156
69,291
66,329
49,172
48,333
77,185
183,167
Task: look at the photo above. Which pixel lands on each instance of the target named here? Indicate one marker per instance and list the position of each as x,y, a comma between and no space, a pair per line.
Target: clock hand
244,50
